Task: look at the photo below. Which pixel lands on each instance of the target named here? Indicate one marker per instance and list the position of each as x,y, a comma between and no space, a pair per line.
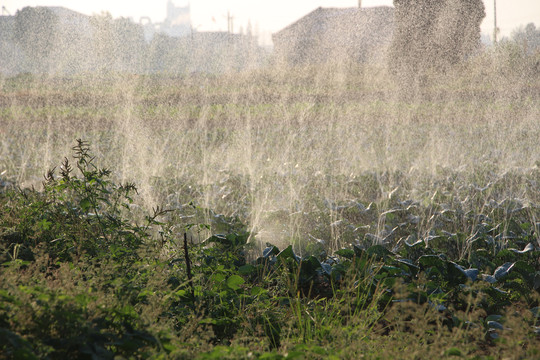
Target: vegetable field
276,214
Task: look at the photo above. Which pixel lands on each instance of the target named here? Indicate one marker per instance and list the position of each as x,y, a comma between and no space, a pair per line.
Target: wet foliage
85,274
282,213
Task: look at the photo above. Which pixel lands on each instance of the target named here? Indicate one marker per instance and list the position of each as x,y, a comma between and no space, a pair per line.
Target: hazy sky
269,15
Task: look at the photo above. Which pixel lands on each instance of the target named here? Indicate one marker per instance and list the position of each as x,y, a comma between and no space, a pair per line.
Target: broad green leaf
488,278
427,261
493,318
530,247
181,293
388,270
408,266
256,291
85,205
346,253
495,325
309,266
456,273
417,243
503,270
379,251
219,239
217,277
525,270
453,352
246,269
270,250
234,282
358,251
472,274
327,268
288,253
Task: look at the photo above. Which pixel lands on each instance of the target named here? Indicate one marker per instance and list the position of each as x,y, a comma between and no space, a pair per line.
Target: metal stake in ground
188,266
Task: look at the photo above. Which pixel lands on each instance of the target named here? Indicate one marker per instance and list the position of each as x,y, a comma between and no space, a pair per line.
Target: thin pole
230,27
188,267
495,30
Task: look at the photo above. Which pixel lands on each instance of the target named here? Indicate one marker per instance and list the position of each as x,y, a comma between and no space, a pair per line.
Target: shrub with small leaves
76,214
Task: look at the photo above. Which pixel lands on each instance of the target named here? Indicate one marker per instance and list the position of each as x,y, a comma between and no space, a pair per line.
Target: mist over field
386,128
256,136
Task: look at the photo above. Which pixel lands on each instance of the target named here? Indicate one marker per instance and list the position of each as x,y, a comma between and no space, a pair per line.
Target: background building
330,34
177,22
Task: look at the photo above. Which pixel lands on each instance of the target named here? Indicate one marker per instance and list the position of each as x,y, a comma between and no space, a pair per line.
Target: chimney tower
359,4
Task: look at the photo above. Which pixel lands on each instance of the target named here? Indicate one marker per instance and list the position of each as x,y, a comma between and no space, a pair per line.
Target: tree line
49,43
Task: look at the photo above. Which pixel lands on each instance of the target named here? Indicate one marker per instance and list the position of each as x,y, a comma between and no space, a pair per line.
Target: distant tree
528,38
105,53
35,32
118,43
129,38
170,55
431,35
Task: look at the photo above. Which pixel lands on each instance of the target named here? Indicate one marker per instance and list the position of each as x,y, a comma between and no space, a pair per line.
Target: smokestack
359,4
